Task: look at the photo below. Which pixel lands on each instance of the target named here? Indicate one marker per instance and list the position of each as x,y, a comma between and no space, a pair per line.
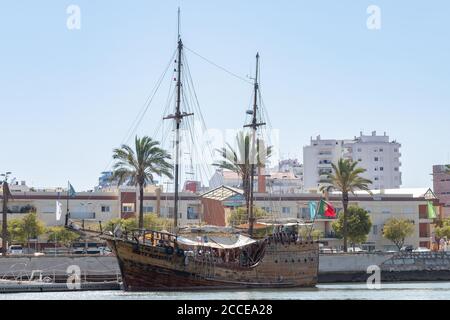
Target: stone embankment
404,266
350,267
59,268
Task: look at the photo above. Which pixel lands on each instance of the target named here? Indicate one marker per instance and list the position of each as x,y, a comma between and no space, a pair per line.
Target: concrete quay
333,268
403,266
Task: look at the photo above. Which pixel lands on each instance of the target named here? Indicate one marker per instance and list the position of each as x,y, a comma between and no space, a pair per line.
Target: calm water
391,291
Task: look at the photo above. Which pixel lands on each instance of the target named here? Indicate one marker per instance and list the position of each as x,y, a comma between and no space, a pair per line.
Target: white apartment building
375,153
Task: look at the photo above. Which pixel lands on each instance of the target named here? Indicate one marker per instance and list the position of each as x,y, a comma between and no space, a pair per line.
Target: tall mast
254,126
177,117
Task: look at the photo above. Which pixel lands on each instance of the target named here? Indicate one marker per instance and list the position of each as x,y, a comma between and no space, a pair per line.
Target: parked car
15,249
355,249
326,250
78,251
407,248
421,249
105,251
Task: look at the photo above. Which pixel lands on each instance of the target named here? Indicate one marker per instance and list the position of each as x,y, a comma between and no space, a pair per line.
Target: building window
191,213
304,213
267,209
127,207
286,210
381,168
106,209
148,209
396,169
375,159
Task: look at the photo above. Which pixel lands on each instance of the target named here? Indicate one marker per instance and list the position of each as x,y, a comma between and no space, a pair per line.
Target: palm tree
346,179
240,160
138,167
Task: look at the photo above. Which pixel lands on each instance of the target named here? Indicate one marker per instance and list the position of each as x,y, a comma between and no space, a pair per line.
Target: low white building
194,209
410,204
100,206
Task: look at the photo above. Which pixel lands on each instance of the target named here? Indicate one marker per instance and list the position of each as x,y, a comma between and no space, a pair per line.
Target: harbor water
388,291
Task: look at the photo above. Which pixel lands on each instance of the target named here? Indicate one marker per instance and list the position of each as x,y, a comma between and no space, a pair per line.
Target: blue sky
68,97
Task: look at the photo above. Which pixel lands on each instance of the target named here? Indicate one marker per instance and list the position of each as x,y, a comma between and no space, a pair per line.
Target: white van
15,249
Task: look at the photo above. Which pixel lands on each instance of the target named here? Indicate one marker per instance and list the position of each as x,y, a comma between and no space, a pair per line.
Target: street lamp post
5,213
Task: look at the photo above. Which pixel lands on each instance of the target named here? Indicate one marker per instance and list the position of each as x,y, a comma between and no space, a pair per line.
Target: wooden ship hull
284,264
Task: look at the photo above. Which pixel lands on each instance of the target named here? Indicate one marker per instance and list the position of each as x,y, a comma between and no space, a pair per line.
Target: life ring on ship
169,250
186,261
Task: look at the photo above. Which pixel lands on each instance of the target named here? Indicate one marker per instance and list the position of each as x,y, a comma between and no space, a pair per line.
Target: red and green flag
326,210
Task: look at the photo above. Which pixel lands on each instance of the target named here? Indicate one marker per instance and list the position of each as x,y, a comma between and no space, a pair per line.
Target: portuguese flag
326,210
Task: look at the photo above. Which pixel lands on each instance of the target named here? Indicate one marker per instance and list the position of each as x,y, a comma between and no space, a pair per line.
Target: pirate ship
182,260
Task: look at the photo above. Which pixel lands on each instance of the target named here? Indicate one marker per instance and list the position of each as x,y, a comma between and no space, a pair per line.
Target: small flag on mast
71,191
312,209
431,210
326,210
58,210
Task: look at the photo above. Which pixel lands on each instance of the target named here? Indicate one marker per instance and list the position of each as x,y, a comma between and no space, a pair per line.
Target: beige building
410,204
211,208
101,205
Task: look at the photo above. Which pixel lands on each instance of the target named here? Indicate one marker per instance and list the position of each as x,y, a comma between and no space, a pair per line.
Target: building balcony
324,153
324,165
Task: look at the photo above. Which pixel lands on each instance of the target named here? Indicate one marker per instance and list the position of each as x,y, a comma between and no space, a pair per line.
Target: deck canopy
218,243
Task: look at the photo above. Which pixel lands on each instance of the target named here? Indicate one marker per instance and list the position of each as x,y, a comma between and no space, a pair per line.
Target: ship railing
153,237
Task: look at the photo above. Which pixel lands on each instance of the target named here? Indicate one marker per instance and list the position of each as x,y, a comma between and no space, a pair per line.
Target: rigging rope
217,66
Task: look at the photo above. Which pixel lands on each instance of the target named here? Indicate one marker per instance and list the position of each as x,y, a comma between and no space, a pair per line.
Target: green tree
153,222
22,229
397,230
358,225
250,151
32,227
240,160
239,215
62,235
15,231
442,229
125,224
346,178
139,166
